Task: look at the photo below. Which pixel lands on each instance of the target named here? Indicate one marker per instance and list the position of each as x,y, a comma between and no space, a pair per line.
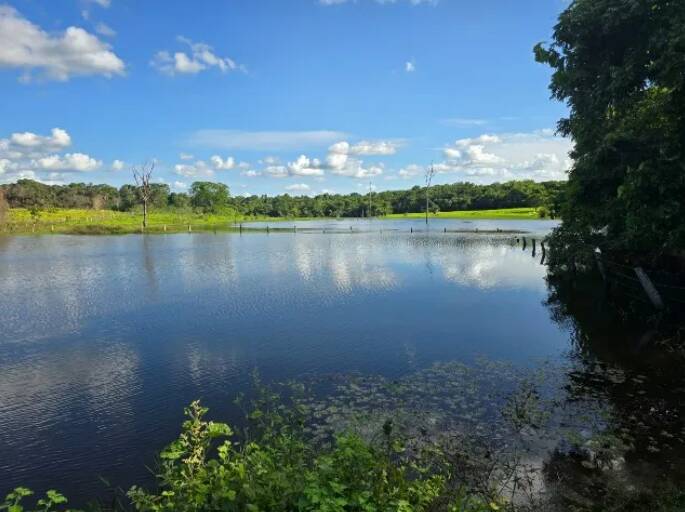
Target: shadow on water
627,357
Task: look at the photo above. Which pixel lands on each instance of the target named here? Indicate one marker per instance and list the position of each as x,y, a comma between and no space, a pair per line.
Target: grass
505,213
70,221
66,221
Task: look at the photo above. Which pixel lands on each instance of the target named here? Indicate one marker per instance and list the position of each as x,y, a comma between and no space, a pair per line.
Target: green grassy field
507,213
112,222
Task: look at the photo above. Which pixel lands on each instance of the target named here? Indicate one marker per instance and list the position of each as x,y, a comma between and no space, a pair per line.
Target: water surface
104,339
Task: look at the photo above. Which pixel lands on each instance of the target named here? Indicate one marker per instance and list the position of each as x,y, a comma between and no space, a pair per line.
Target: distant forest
206,196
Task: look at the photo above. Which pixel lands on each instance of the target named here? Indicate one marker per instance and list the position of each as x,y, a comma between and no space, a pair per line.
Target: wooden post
190,228
294,229
52,228
649,288
411,229
533,247
164,227
445,230
267,229
600,264
524,243
241,228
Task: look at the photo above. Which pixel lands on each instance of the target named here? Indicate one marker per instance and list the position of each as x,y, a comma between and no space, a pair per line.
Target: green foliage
620,67
204,470
52,501
208,196
214,198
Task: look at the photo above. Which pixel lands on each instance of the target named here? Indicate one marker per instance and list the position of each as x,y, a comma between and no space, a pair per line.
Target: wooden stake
649,288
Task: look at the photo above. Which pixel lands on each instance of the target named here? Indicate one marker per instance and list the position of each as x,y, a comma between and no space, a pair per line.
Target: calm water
104,339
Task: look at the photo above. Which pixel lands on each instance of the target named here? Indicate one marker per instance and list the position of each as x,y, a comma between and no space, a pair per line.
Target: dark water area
104,340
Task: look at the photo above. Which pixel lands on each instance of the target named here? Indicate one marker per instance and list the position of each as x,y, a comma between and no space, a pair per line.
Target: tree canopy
620,67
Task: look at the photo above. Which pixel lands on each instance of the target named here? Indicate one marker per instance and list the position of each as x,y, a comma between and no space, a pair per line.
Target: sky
278,96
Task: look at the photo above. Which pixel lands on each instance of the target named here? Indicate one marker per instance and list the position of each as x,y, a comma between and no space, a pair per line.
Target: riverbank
73,221
504,213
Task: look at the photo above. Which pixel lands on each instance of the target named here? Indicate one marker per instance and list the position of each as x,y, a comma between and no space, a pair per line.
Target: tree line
215,197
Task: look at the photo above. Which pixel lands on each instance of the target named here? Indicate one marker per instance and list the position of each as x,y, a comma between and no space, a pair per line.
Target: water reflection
105,339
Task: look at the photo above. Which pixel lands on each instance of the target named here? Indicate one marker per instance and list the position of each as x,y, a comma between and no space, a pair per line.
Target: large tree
620,67
208,196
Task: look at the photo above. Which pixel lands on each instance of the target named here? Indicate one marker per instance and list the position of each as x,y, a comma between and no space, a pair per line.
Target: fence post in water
533,247
241,228
164,227
649,288
190,228
600,264
524,243
267,229
445,230
52,228
294,229
411,229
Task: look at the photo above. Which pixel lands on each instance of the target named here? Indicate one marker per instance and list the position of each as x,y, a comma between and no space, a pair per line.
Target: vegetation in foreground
447,438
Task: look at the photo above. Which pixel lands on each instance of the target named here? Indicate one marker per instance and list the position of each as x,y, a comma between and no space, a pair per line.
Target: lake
105,338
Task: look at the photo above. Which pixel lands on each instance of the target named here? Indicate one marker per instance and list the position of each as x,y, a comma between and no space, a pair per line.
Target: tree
430,172
142,175
208,196
620,67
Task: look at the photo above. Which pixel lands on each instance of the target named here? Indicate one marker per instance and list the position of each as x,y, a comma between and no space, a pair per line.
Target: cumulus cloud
118,165
410,66
538,156
27,155
77,162
341,163
304,166
73,52
224,164
199,169
200,57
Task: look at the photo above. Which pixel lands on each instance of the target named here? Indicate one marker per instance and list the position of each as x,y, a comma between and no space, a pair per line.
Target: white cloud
185,156
221,164
410,66
304,166
101,3
105,30
32,156
200,58
118,165
298,187
250,173
179,185
57,140
78,162
539,156
74,52
368,148
411,171
264,140
199,169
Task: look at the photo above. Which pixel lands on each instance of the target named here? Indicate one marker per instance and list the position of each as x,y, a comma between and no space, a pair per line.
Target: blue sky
274,96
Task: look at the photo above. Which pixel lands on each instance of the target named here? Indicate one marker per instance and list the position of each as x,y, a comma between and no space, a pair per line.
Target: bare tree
142,175
430,172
